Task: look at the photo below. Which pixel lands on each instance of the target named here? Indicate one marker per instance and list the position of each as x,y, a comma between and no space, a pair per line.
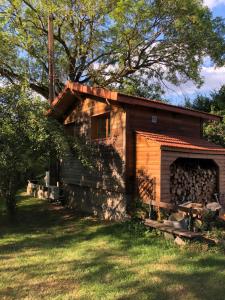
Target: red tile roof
181,142
74,90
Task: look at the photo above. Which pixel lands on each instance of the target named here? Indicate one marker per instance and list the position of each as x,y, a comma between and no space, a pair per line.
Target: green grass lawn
49,253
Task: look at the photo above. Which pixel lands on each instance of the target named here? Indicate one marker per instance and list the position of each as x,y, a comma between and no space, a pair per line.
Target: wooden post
51,83
51,58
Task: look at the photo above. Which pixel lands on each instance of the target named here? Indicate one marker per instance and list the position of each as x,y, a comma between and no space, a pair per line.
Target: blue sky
213,77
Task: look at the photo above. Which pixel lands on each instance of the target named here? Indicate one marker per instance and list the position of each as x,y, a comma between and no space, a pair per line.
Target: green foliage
86,152
98,159
202,103
215,132
137,85
212,224
111,43
27,139
136,228
140,210
214,103
208,220
218,98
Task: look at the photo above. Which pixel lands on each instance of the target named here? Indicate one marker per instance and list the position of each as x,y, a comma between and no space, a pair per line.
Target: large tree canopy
124,44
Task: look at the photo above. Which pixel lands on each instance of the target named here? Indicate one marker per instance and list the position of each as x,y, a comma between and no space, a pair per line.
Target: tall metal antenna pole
51,71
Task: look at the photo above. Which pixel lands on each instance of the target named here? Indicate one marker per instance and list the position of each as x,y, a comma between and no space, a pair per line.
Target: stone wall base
108,205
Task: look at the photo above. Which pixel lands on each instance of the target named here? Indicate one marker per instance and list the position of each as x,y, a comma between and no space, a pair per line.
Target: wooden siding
167,123
154,162
109,171
148,162
126,156
80,121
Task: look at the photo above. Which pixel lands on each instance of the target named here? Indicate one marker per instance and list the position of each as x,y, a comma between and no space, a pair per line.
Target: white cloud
213,3
213,79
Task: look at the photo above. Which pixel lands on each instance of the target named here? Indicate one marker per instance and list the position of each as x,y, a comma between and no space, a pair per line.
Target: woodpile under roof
193,180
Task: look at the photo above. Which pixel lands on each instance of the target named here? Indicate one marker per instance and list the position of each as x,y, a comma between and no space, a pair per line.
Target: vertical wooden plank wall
167,123
148,163
78,122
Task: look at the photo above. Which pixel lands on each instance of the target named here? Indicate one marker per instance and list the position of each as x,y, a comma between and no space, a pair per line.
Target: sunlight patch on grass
52,254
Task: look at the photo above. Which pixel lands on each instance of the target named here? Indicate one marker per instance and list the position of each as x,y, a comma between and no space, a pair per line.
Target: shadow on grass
193,278
122,266
45,226
203,284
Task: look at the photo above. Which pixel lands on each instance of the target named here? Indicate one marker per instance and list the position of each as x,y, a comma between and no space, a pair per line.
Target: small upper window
100,126
154,119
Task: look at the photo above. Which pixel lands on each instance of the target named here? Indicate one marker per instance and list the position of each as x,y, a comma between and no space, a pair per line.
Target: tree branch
12,77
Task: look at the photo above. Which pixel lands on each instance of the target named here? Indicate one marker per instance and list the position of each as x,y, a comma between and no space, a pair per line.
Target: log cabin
137,149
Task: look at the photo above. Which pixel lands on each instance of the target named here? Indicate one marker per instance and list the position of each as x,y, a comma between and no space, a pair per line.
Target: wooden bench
171,229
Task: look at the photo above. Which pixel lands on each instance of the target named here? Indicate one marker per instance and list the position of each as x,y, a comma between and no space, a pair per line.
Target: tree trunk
10,198
11,205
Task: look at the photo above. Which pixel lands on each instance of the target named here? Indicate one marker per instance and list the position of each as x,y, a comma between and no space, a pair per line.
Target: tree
109,43
215,132
214,103
27,138
201,102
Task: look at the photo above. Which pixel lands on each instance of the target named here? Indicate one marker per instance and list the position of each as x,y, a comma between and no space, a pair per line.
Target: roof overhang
73,91
183,143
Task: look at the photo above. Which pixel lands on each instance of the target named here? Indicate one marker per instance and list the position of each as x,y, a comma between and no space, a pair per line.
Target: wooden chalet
138,143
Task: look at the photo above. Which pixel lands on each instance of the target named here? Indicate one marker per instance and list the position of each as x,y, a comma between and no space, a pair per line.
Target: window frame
97,128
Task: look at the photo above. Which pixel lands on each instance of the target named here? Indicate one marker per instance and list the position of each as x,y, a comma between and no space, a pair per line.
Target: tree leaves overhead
108,43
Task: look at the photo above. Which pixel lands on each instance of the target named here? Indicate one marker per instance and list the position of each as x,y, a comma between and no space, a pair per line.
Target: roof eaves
93,91
164,145
78,88
165,106
196,150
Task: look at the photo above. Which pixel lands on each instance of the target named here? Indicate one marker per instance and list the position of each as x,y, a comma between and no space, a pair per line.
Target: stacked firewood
196,184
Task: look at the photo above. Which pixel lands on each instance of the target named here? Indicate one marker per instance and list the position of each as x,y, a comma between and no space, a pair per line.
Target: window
100,126
154,119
